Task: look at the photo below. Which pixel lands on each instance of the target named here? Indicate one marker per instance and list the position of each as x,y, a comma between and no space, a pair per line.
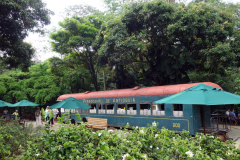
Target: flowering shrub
78,142
12,135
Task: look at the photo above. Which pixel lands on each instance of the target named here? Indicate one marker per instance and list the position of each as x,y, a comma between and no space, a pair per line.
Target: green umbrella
70,103
4,104
202,94
24,103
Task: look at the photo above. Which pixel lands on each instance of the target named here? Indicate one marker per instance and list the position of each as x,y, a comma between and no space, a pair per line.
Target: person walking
38,117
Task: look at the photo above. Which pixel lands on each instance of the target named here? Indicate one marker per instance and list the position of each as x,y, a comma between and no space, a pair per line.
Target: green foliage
76,39
161,43
79,142
13,136
17,18
43,113
38,85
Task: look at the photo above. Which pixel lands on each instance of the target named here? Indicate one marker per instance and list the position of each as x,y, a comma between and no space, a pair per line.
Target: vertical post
104,84
204,131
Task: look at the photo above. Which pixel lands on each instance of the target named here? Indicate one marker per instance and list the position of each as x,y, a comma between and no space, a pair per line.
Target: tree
17,18
37,85
167,41
73,77
76,38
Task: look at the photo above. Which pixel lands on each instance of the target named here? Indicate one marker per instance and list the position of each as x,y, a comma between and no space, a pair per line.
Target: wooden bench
98,123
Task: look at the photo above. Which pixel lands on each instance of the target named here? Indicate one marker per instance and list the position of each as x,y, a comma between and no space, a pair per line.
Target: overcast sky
41,44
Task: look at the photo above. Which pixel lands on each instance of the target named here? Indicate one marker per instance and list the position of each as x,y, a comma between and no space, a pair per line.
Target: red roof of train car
136,91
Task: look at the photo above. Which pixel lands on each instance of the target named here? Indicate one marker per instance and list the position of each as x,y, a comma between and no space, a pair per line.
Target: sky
42,44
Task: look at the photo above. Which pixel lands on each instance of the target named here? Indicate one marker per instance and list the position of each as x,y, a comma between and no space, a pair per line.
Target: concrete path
235,134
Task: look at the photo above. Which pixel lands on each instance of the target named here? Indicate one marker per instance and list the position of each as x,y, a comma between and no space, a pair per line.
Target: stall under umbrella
202,94
24,103
5,104
70,103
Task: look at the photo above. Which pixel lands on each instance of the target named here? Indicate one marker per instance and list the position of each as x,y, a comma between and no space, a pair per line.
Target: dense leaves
76,38
162,43
12,135
38,85
78,142
17,18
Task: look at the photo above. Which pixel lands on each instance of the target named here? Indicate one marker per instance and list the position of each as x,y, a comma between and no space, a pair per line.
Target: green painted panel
187,110
168,109
172,123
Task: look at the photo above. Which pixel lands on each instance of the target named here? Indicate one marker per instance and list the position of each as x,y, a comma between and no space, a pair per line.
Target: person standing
38,116
5,112
47,114
51,117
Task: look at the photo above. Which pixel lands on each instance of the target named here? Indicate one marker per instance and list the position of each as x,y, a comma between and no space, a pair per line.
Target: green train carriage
135,106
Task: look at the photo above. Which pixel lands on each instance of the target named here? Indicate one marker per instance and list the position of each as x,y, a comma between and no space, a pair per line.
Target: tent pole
204,131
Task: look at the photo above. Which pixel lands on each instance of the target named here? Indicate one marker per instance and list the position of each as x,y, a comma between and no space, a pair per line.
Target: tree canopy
17,18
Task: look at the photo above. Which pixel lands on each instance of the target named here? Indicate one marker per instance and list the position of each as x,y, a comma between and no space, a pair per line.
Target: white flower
138,49
127,141
212,136
200,137
144,156
229,153
127,123
20,146
173,137
93,132
110,130
125,156
141,131
136,127
200,148
99,134
157,148
154,124
190,153
156,135
37,154
150,146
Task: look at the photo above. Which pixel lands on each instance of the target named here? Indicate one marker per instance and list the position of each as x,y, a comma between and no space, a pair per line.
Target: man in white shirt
227,112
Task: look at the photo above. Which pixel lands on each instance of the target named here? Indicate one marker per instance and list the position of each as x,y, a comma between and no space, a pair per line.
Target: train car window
101,108
178,110
110,108
158,109
85,111
93,108
145,109
78,110
120,108
132,109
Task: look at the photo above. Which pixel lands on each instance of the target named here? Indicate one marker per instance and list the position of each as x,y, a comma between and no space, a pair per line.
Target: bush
12,135
78,142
